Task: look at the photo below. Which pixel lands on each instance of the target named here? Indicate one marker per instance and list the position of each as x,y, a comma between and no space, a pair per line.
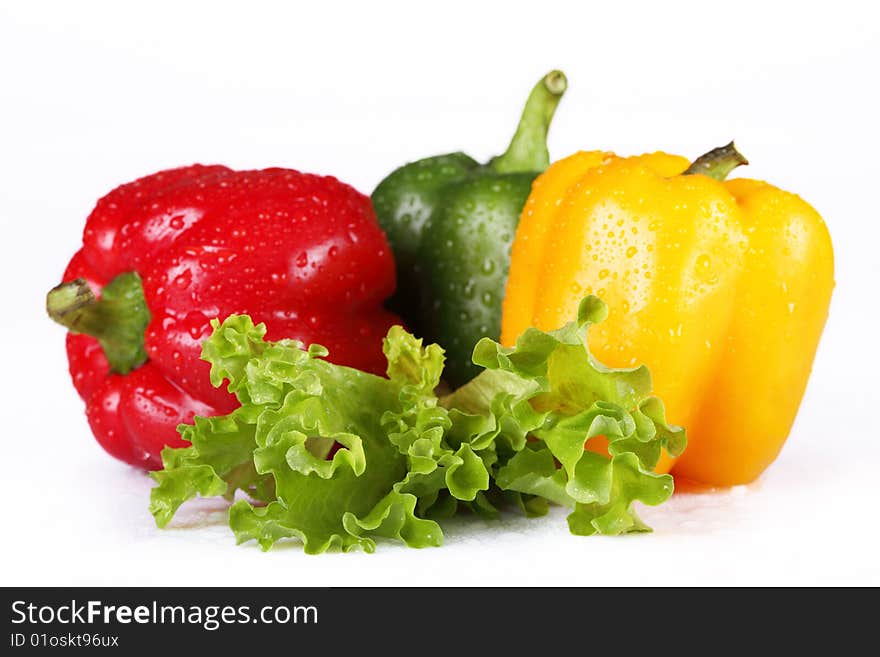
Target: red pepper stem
528,148
117,320
717,163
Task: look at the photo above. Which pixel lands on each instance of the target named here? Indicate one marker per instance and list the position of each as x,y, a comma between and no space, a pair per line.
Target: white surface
93,95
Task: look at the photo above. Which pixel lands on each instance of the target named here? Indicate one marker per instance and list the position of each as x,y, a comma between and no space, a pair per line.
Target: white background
96,94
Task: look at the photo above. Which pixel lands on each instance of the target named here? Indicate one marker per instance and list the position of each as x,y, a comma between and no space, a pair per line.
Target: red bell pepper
167,253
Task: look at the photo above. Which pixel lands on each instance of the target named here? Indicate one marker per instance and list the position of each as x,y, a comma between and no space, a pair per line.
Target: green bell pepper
450,222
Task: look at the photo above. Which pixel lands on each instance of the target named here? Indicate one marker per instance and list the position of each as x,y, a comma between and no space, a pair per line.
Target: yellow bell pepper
721,288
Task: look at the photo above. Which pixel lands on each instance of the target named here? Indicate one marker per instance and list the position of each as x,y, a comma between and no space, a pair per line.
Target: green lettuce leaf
551,388
296,407
337,458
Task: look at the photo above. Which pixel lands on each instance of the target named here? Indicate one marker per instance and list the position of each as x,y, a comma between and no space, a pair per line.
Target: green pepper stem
117,320
717,163
528,148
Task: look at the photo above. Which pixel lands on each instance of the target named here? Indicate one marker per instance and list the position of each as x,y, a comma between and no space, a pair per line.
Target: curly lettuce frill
335,457
550,388
295,409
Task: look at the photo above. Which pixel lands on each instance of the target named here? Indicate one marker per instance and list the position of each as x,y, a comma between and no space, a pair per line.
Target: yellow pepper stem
717,163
